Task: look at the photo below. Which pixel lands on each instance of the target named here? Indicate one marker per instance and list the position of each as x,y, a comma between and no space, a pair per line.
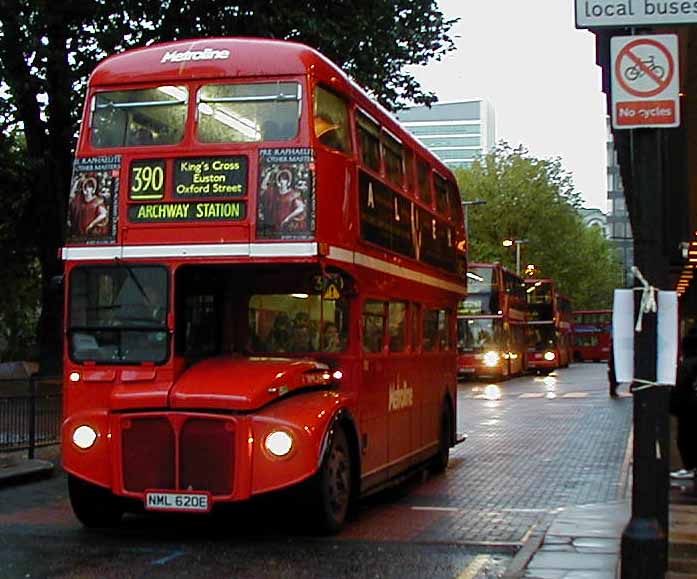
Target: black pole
644,540
32,415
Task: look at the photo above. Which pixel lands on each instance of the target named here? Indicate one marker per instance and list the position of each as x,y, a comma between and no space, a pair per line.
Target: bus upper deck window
248,113
424,181
441,194
331,120
369,136
394,159
137,118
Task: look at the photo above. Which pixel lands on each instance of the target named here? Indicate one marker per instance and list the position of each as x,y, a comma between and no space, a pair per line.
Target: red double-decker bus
491,323
262,273
592,335
549,326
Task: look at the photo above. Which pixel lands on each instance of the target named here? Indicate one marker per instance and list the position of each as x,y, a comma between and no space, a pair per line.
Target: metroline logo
187,55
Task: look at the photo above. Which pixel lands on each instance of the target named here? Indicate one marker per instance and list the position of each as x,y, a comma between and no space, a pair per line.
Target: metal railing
31,418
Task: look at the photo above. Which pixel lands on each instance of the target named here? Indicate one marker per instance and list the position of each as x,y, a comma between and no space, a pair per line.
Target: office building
456,132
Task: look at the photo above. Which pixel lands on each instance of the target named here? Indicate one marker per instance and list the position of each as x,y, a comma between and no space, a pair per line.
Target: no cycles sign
645,83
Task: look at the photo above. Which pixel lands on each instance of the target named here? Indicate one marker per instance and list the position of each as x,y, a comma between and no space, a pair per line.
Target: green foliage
535,200
20,306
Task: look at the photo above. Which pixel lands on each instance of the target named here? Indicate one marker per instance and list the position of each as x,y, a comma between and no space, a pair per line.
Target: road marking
444,509
477,564
167,558
532,395
575,395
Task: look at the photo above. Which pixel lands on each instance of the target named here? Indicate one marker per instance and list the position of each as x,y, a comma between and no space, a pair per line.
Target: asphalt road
535,446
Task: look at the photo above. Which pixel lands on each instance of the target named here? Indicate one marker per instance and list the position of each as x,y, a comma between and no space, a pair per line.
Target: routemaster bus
262,275
549,326
491,323
592,335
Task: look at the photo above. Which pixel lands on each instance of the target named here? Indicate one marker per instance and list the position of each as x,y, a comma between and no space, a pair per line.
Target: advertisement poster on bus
93,201
286,208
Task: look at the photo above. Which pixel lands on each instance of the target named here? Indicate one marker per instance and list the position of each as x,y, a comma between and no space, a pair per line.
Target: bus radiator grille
207,455
147,453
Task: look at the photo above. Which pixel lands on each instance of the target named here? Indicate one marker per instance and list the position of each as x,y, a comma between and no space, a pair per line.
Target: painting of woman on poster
286,208
88,214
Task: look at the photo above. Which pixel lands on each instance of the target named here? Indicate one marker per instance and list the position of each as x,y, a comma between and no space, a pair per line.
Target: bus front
197,305
543,334
592,335
481,348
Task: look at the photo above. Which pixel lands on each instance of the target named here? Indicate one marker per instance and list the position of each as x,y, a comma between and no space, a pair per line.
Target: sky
527,58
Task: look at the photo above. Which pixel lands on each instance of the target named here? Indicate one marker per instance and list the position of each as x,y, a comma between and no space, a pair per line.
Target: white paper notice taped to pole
623,334
667,345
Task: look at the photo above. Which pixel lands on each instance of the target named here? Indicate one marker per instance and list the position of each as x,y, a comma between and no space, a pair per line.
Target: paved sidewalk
584,542
16,468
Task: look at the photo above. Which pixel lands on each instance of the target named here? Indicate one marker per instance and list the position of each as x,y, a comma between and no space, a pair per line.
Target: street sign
598,13
645,84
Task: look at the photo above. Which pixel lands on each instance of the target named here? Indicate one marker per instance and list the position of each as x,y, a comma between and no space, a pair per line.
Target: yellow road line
477,564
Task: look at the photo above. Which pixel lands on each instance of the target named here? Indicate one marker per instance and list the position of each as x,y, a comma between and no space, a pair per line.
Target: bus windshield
480,280
118,314
242,113
542,337
153,116
477,335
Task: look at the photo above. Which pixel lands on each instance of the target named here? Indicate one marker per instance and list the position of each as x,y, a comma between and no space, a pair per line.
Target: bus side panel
374,401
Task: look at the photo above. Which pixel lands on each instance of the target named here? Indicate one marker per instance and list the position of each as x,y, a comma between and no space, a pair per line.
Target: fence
31,419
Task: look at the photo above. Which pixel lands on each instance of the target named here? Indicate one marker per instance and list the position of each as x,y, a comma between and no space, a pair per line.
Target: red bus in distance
262,277
592,335
549,326
491,323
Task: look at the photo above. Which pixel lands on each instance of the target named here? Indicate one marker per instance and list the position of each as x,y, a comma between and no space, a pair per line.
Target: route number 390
147,179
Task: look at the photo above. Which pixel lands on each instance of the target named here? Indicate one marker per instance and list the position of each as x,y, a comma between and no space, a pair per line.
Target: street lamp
517,243
465,205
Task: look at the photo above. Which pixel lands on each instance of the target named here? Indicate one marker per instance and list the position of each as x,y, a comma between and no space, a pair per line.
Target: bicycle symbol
635,72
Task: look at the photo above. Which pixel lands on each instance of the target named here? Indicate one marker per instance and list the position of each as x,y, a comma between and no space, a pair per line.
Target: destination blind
190,211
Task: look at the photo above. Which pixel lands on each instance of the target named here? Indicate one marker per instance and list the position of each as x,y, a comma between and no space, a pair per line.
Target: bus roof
220,58
209,58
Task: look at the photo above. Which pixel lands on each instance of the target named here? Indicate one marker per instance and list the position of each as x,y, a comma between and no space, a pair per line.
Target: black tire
95,507
442,458
333,489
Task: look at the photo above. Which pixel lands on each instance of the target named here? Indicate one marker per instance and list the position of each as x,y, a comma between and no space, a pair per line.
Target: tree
20,305
535,200
47,50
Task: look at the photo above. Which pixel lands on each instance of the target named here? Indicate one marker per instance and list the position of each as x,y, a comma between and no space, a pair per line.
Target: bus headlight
549,356
279,443
84,436
491,359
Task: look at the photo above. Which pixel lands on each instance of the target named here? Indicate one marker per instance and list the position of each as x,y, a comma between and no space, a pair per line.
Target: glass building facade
456,132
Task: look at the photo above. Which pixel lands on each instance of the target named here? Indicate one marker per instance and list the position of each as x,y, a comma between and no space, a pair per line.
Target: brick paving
525,459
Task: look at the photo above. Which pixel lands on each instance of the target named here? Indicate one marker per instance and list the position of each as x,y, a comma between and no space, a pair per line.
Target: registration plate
180,502
466,370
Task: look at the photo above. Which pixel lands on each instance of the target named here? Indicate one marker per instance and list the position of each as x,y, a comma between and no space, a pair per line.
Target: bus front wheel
94,506
333,489
440,461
